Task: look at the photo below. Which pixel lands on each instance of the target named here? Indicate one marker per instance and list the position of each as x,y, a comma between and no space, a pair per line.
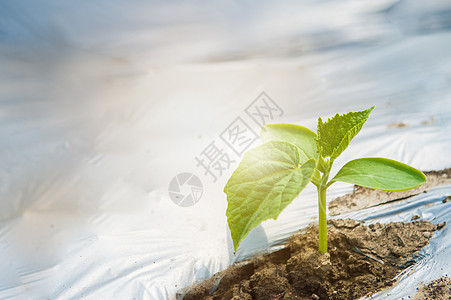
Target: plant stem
322,219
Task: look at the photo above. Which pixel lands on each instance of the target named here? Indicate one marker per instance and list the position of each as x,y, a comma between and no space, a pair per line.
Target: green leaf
297,135
266,181
335,135
380,174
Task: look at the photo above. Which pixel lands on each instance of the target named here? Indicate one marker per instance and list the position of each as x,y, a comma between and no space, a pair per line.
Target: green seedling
271,175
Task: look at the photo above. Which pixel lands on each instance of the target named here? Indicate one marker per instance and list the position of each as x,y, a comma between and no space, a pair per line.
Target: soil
363,197
361,260
397,125
439,289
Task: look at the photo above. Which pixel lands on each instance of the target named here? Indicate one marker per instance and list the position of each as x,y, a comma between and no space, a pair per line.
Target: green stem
322,219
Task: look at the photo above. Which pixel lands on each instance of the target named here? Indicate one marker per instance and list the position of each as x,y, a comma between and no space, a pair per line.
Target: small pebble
441,225
415,217
427,234
314,297
447,198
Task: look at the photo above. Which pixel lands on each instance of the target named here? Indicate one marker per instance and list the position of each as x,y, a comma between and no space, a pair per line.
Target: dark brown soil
363,197
361,261
439,289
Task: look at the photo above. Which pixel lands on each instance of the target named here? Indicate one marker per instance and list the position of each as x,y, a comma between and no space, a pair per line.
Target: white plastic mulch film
121,123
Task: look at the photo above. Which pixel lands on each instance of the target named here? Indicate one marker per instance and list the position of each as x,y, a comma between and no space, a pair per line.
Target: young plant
270,176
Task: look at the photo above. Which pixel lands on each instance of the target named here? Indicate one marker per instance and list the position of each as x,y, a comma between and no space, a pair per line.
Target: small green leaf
380,174
266,181
335,135
297,135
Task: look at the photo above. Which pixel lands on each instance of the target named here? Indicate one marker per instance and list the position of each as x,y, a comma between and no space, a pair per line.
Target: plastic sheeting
102,105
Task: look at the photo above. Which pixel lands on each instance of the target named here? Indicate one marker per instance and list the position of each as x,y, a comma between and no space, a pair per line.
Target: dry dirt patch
439,289
361,261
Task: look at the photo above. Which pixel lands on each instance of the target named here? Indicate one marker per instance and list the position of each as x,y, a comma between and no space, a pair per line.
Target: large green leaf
380,174
335,135
268,179
297,135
